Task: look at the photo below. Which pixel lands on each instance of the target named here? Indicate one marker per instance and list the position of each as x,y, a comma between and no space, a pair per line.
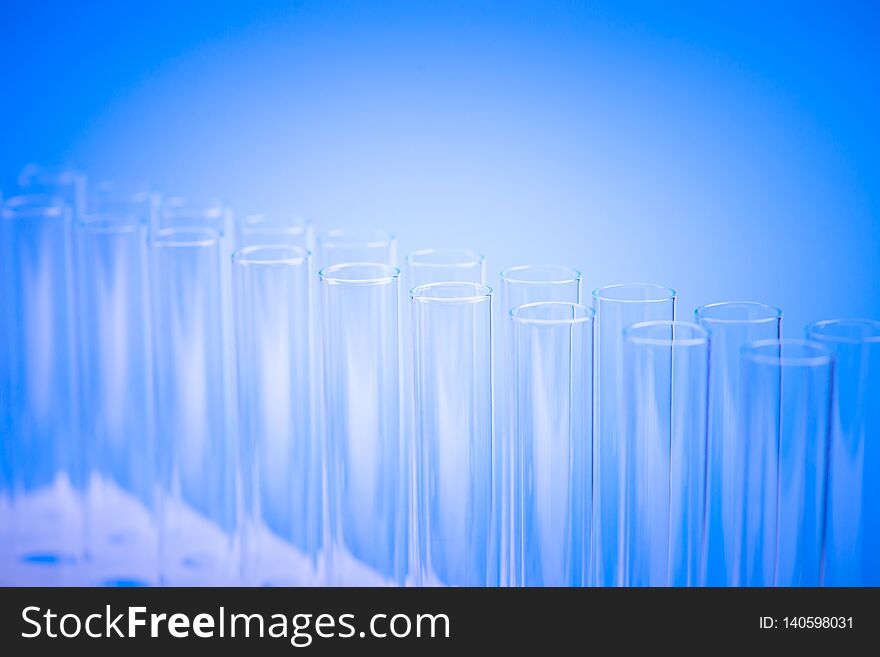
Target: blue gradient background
730,152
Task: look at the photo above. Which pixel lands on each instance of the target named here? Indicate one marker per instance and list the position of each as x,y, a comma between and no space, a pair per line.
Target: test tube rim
330,275
774,313
699,335
162,238
186,207
822,355
33,206
328,238
571,275
479,292
476,259
244,255
669,293
260,222
516,314
813,331
110,223
118,190
47,175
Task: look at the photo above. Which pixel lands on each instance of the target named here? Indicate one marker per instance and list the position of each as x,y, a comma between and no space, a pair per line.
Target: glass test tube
260,229
184,213
452,353
731,325
422,267
665,409
444,266
195,426
116,376
853,541
366,456
211,213
110,197
41,436
519,286
782,463
553,426
7,547
68,185
617,307
7,551
281,455
351,245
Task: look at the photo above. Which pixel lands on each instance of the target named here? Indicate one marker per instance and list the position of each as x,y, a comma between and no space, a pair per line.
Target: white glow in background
727,153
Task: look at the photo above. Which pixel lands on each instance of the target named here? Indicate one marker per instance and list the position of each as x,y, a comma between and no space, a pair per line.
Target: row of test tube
194,400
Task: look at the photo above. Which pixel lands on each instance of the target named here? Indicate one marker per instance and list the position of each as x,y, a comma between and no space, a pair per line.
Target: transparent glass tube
782,463
452,347
115,199
617,306
261,229
353,245
444,266
853,540
731,325
68,185
39,381
280,451
519,286
195,427
553,426
423,267
210,213
665,409
366,456
185,214
7,538
116,376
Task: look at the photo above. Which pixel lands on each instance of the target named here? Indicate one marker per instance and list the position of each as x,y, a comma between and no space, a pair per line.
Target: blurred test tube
853,545
41,431
117,411
350,245
262,229
444,266
114,198
66,184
